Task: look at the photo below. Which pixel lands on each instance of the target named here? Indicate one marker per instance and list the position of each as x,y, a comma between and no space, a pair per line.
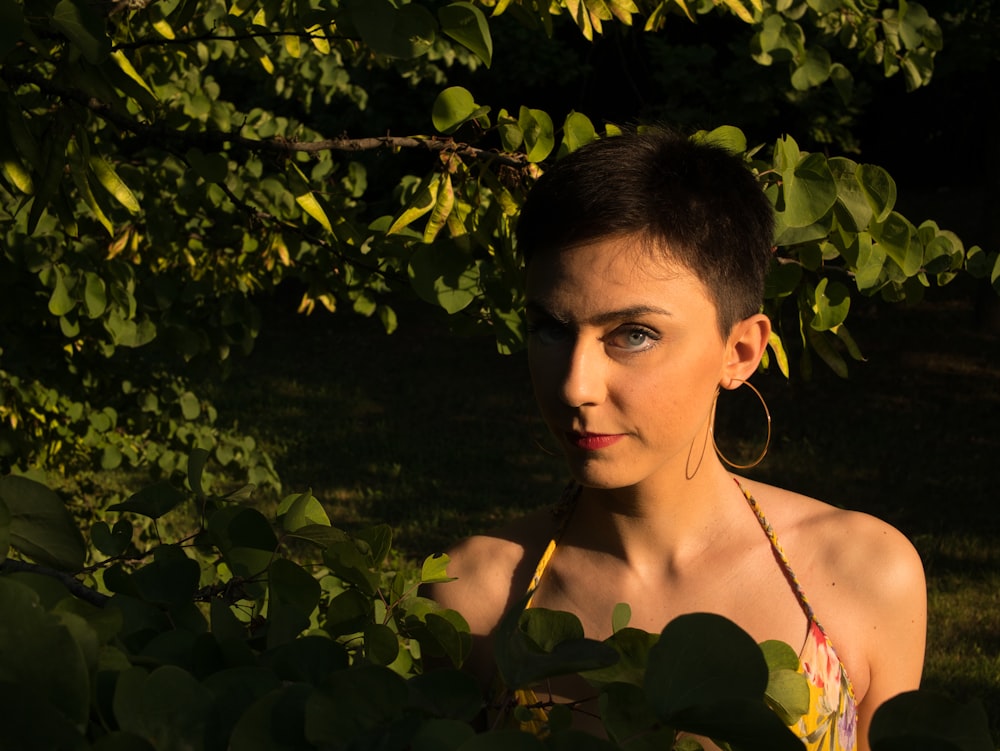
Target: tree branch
276,146
75,587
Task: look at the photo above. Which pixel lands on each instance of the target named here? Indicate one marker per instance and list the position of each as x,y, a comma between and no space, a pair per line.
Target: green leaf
812,70
782,280
787,690
60,302
267,723
41,527
211,167
348,613
190,406
111,541
351,565
434,569
381,644
305,197
424,200
41,657
293,595
321,534
632,646
169,707
578,131
95,295
538,643
352,703
109,179
309,659
169,580
153,501
448,693
443,274
378,538
707,676
84,27
726,137
809,191
196,470
453,107
843,82
629,720
405,32
779,655
879,189
539,133
467,25
301,510
443,205
620,617
787,694
832,301
896,236
854,210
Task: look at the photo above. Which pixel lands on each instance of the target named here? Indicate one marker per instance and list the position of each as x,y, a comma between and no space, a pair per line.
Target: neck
660,522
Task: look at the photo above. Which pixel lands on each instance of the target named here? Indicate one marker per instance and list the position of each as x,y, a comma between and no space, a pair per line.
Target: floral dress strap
831,722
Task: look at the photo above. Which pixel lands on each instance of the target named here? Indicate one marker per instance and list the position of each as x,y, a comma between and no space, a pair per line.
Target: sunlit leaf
538,131
453,107
109,179
467,25
434,569
305,197
809,191
301,510
831,304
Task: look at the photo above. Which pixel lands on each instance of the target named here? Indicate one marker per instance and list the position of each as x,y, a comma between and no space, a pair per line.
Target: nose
583,378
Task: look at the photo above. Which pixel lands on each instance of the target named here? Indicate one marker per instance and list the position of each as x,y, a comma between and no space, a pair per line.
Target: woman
646,256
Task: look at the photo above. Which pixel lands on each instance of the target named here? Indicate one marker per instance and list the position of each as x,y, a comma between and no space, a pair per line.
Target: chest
749,587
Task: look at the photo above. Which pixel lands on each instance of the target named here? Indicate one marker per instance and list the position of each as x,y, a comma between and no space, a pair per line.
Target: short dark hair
696,203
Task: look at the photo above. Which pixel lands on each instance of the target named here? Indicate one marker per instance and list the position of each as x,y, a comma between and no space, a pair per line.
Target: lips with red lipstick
593,441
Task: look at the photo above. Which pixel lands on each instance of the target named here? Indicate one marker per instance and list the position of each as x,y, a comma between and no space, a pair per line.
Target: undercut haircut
690,202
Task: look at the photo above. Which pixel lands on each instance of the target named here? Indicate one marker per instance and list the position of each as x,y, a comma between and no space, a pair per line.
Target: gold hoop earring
767,442
688,472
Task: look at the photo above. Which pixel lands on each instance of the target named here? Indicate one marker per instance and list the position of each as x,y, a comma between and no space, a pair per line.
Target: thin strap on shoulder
564,510
779,553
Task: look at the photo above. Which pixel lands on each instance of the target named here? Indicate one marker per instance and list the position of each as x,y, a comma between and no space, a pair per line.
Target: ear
744,348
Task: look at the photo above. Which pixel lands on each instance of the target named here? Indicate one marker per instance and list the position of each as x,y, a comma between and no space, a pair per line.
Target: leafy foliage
162,163
261,633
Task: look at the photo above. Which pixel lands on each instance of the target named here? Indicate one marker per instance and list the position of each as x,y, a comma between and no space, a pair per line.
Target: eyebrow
601,319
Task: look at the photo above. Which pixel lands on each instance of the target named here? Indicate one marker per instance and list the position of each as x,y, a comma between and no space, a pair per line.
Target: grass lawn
437,435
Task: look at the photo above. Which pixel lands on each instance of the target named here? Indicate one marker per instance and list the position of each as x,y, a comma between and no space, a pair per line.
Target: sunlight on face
625,357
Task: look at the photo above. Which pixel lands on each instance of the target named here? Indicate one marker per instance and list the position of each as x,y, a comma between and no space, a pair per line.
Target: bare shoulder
490,571
866,583
860,550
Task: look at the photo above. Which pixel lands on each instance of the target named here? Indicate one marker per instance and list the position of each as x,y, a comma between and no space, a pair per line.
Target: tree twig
275,146
76,587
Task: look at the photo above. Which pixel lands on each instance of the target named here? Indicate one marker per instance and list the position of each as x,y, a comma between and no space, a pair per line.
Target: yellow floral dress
831,722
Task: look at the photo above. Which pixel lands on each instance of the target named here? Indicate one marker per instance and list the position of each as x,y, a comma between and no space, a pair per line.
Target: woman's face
625,356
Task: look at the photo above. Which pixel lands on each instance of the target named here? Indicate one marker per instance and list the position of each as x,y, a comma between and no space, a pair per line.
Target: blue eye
632,338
